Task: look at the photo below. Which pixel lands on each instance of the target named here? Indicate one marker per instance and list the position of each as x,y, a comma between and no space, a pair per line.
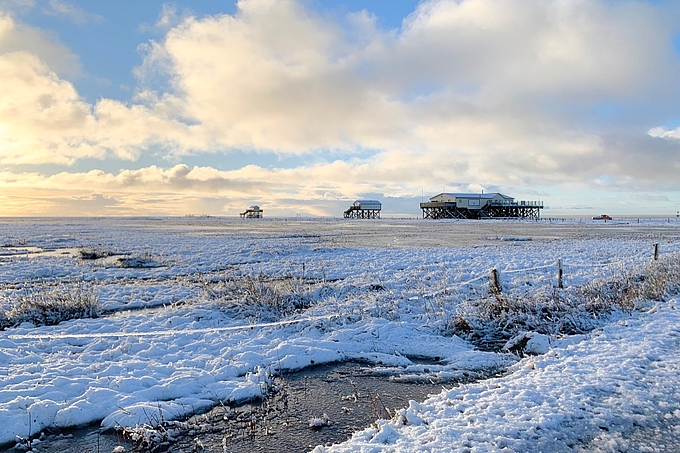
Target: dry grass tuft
490,321
261,297
43,305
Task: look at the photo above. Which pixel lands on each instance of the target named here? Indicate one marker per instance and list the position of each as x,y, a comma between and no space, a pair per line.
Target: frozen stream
351,395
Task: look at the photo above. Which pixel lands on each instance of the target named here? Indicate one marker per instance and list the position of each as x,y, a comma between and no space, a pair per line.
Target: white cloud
662,132
510,49
494,92
467,77
168,17
15,36
272,77
41,116
44,120
17,5
320,189
74,13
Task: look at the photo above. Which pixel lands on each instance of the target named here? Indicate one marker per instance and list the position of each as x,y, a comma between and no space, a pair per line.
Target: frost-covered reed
43,304
491,320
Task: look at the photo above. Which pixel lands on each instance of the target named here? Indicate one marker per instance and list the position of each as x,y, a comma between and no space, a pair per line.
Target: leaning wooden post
495,286
559,273
656,251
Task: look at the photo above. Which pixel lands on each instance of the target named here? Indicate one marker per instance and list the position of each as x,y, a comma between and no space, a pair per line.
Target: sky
150,108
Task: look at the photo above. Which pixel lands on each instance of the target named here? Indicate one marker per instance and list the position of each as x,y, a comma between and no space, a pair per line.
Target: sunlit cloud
500,93
15,36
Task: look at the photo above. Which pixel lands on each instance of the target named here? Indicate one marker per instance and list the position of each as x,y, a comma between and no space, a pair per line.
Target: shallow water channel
348,395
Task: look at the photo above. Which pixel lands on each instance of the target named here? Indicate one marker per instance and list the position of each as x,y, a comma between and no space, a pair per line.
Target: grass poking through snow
45,305
492,320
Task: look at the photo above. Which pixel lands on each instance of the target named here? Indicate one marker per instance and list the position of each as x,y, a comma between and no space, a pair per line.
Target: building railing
492,203
528,204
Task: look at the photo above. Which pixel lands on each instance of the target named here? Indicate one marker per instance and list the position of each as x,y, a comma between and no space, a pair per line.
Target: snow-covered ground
616,390
180,337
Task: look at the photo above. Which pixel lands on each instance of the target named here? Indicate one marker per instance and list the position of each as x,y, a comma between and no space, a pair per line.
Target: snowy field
196,311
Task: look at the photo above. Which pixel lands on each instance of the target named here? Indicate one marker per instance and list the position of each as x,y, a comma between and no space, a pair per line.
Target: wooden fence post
656,251
559,273
495,286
